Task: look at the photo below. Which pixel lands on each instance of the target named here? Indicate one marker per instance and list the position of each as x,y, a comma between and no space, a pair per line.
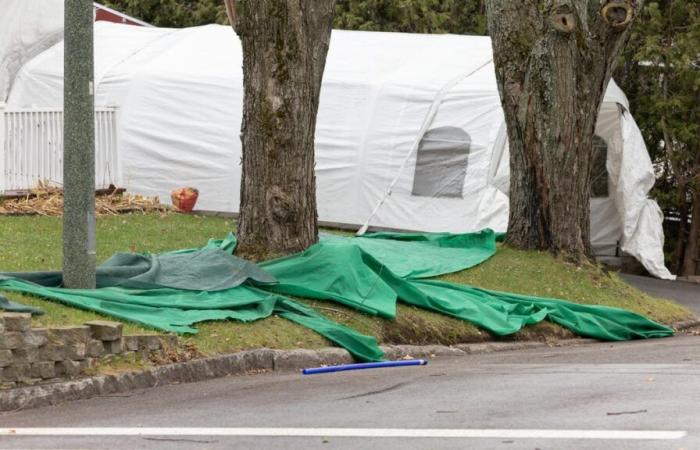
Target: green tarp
6,305
176,310
175,290
352,271
207,269
362,273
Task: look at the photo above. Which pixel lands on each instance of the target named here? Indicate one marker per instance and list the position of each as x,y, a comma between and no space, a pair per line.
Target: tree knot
617,14
563,19
280,205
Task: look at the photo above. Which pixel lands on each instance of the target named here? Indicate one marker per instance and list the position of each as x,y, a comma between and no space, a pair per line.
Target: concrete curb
247,362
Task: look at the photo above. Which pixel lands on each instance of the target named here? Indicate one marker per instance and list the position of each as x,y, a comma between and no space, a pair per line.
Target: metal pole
363,366
78,147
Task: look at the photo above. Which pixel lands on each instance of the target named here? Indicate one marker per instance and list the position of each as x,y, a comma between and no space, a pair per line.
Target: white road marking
354,432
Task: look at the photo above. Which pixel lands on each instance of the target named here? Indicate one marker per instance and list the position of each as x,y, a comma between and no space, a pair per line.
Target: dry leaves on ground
45,200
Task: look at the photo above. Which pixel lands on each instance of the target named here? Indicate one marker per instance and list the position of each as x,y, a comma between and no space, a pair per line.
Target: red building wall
109,15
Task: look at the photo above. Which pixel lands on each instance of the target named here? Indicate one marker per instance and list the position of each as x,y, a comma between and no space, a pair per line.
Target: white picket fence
31,147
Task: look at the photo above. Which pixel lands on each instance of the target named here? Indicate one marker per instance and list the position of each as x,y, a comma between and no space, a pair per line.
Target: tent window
599,181
441,163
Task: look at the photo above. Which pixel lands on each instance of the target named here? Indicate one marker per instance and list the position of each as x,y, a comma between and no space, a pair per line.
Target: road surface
683,292
631,395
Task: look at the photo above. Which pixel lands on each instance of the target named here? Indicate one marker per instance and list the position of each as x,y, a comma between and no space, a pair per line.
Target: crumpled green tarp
351,270
176,310
211,268
361,273
6,305
174,290
425,255
368,274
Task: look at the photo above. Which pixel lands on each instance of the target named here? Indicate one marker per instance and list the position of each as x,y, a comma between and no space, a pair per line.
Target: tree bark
691,257
285,43
691,261
682,239
554,59
679,172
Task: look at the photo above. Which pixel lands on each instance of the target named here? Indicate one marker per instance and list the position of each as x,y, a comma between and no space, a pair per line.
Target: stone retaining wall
33,355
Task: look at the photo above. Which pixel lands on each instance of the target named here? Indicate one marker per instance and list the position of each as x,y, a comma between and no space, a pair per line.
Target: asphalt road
632,395
650,387
683,292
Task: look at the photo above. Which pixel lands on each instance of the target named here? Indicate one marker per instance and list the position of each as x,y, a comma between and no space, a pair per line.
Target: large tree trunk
553,63
285,43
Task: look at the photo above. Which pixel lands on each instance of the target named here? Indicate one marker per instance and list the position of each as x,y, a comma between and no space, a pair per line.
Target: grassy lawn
34,243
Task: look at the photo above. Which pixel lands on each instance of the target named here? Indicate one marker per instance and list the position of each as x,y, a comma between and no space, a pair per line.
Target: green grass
540,274
34,243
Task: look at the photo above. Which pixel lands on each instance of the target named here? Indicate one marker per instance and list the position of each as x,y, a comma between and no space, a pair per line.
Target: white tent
418,115
27,28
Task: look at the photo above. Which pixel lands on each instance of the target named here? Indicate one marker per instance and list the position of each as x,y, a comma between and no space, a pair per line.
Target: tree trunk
678,170
285,43
553,62
691,261
682,240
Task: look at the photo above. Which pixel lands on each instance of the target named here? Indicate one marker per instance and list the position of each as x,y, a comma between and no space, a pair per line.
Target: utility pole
78,147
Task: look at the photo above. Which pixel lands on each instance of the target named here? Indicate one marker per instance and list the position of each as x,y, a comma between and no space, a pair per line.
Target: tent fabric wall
179,94
27,28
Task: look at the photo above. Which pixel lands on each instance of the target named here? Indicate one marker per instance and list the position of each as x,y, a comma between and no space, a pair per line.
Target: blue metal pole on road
362,366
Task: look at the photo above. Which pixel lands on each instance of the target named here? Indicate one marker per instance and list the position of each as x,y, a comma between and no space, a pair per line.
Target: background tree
285,43
412,16
661,75
173,13
553,61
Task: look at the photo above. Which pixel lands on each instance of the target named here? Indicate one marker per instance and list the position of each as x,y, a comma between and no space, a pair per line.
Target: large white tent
416,116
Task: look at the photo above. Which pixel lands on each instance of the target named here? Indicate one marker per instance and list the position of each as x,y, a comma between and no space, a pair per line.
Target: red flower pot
184,199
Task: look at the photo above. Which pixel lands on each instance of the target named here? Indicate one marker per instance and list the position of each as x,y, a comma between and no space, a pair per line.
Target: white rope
427,122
